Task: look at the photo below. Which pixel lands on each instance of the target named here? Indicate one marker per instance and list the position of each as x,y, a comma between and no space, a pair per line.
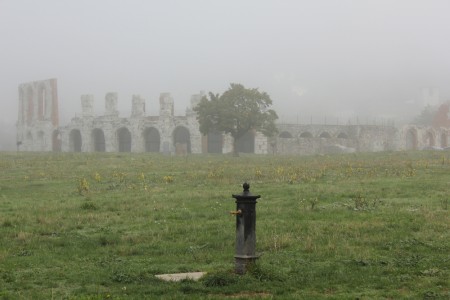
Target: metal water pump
245,229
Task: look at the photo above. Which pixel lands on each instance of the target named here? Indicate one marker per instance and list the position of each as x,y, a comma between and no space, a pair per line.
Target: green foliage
88,206
237,111
220,279
426,116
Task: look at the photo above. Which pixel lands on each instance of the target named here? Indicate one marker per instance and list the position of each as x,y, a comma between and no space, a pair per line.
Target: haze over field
316,59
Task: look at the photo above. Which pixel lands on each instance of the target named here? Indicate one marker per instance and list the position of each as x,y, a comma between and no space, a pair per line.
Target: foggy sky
314,58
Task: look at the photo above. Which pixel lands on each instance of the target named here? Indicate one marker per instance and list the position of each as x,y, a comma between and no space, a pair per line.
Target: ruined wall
38,116
310,139
38,130
137,133
412,137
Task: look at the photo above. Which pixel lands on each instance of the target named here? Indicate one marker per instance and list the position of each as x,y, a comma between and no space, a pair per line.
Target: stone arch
56,141
246,143
124,139
182,140
325,135
342,135
75,140
285,135
306,135
444,139
214,142
152,139
29,136
429,139
411,139
98,140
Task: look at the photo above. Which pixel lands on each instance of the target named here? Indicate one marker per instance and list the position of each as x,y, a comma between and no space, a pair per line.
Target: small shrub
7,276
97,177
190,287
313,202
7,223
122,277
106,240
83,186
261,273
88,206
168,179
219,279
444,204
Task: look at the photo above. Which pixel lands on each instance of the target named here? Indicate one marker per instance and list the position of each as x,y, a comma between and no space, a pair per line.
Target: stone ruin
38,129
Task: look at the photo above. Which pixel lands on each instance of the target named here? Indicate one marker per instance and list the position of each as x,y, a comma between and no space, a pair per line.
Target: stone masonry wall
38,130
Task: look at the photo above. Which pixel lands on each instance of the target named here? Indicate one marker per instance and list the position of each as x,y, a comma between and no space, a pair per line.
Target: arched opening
40,141
215,142
75,141
444,140
325,135
182,140
246,143
285,135
411,139
342,135
56,141
124,139
152,139
306,135
429,139
98,140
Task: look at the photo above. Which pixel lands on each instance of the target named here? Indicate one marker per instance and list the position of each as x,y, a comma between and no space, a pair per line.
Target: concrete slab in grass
181,276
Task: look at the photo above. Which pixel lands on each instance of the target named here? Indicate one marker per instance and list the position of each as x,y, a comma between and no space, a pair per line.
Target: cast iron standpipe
245,229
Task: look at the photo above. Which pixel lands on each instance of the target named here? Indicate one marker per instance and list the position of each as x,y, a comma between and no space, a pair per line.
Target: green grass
100,226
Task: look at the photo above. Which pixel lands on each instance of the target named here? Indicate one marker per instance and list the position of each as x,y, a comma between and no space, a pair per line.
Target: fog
321,61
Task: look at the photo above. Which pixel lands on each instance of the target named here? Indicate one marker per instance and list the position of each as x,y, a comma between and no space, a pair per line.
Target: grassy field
100,226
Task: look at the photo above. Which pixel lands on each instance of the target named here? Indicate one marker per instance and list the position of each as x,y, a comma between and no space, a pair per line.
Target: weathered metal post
245,229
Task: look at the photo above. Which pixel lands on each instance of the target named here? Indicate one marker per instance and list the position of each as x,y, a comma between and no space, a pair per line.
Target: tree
426,116
237,111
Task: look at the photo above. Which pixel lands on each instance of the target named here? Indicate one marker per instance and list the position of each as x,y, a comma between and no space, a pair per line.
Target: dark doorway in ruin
124,140
56,141
444,140
246,143
325,135
285,135
429,139
75,141
306,135
215,142
411,139
152,140
98,140
182,140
